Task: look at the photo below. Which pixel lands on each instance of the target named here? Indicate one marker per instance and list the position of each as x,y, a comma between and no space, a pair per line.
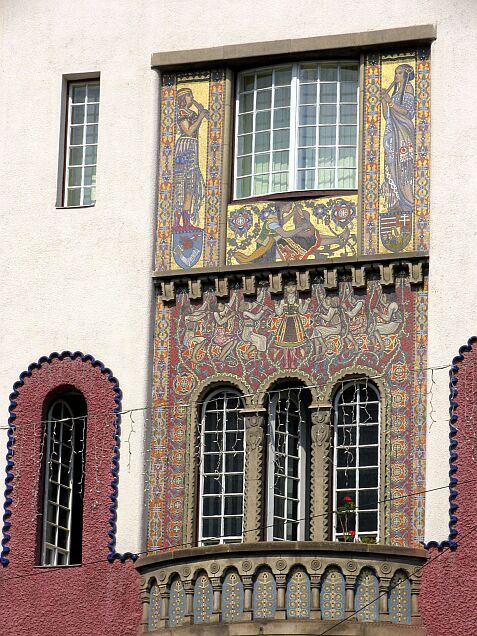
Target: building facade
255,441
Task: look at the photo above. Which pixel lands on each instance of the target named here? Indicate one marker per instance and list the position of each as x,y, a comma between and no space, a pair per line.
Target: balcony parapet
283,588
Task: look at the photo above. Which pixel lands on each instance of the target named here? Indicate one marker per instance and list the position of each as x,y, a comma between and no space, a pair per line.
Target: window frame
379,468
67,119
292,191
227,392
304,451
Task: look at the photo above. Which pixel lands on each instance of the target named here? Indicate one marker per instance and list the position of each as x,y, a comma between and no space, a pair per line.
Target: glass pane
347,135
212,463
50,533
308,93
347,436
369,412
306,158
74,176
282,97
292,488
326,178
368,434
264,79
233,505
74,197
368,499
90,154
264,99
326,157
328,93
292,531
77,114
292,509
62,538
280,161
76,156
234,483
92,134
234,462
93,92
88,197
328,114
244,145
349,73
76,135
346,457
368,478
244,187
368,456
306,179
328,73
347,178
281,139
367,521
278,529
63,517
211,527
211,506
280,182
211,485
308,72
281,118
52,513
279,506
283,76
92,115
348,113
292,467
262,162
233,526
262,142
348,92
245,123
346,479
246,82
307,136
263,120
307,115
327,135
212,443
234,442
90,175
246,103
78,94
347,158
244,165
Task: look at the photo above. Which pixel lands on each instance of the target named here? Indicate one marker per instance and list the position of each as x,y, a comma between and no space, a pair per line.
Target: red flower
352,533
347,499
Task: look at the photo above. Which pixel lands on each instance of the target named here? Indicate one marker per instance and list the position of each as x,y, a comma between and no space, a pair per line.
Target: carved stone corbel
276,282
415,272
249,285
331,278
253,495
303,280
386,274
320,477
222,287
195,289
358,276
168,290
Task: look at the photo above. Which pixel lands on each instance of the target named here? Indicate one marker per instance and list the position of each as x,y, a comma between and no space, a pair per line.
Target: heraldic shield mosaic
190,180
320,334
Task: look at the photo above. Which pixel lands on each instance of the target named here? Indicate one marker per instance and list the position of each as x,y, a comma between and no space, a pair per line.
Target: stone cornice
277,274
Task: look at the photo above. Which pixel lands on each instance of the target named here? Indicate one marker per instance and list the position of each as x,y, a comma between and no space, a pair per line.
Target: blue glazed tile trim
451,541
112,553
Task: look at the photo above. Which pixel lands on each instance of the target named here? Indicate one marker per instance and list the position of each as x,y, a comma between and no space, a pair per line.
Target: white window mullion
338,124
293,151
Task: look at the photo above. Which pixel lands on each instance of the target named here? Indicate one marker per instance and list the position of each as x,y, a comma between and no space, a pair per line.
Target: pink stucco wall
96,597
449,583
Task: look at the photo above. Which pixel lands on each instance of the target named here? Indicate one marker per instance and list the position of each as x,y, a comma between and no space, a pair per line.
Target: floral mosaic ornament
177,603
332,597
400,599
232,598
203,600
366,603
154,608
264,595
298,595
291,230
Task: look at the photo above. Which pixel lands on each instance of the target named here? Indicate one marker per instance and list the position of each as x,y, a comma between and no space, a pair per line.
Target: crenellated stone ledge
283,588
386,269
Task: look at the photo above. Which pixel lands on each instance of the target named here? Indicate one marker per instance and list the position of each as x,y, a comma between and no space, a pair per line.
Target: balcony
283,588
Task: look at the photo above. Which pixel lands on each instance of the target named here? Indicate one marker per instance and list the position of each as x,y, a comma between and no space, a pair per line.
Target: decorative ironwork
232,598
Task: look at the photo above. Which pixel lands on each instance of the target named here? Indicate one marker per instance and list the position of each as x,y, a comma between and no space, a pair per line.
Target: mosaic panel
177,603
264,595
190,169
332,596
366,601
319,333
400,599
272,231
232,598
298,595
154,608
396,145
203,600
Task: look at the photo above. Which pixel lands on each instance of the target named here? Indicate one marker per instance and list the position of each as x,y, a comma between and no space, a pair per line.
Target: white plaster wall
81,279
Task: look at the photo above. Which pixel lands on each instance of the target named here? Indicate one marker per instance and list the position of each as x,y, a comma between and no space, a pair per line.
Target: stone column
320,415
253,495
315,583
383,599
189,613
281,580
415,586
350,586
248,598
145,601
164,592
217,590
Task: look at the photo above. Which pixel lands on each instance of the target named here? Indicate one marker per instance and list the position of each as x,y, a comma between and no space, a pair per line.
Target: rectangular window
81,143
296,128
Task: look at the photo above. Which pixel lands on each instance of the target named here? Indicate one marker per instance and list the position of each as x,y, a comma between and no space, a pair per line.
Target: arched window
221,468
63,481
287,465
356,452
